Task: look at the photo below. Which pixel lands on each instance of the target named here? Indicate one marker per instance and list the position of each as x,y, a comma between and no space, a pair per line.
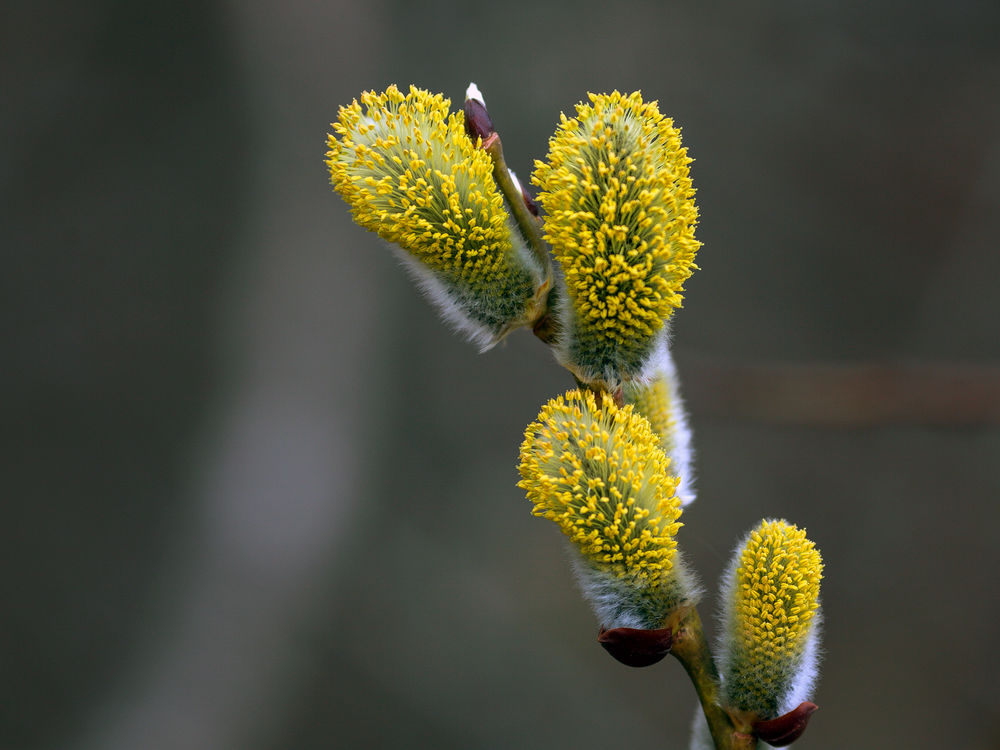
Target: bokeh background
256,496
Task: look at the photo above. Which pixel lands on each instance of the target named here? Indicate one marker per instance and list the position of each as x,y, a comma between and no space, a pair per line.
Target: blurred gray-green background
256,496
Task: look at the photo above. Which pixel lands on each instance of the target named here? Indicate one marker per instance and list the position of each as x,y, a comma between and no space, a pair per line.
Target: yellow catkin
774,605
777,588
620,216
409,172
598,471
653,401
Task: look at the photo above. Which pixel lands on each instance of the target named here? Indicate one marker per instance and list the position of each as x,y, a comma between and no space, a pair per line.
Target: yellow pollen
776,592
653,402
598,471
620,215
409,172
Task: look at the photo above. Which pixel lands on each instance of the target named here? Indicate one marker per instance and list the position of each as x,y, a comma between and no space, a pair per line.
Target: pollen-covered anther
409,172
598,471
772,606
620,219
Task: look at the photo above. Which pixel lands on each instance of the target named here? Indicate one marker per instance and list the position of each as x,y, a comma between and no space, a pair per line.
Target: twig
690,647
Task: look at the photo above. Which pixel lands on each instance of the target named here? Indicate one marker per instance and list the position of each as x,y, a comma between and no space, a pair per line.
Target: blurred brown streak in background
846,395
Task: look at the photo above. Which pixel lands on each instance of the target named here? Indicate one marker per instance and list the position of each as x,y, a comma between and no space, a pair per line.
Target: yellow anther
630,526
777,591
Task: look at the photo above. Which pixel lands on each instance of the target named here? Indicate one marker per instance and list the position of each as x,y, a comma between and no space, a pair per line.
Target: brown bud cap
530,202
477,120
786,728
634,647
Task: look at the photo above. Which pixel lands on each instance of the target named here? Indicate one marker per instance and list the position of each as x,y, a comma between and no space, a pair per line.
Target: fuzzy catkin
620,218
770,620
409,172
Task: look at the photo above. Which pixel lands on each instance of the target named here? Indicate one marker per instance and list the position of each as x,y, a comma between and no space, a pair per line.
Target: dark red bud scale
787,728
477,120
634,647
530,202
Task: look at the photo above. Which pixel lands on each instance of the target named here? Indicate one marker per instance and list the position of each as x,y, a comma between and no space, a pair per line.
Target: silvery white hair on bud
682,455
802,683
612,600
618,603
807,673
443,298
608,373
701,738
454,305
473,92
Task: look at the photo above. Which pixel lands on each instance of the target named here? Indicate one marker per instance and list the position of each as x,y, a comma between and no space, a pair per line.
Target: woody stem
690,647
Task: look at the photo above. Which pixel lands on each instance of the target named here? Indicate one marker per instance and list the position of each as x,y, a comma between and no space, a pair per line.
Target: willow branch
690,647
529,224
479,127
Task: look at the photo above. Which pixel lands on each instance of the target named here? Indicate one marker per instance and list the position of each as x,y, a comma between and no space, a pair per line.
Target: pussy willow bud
620,219
771,616
660,402
410,173
478,123
598,471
